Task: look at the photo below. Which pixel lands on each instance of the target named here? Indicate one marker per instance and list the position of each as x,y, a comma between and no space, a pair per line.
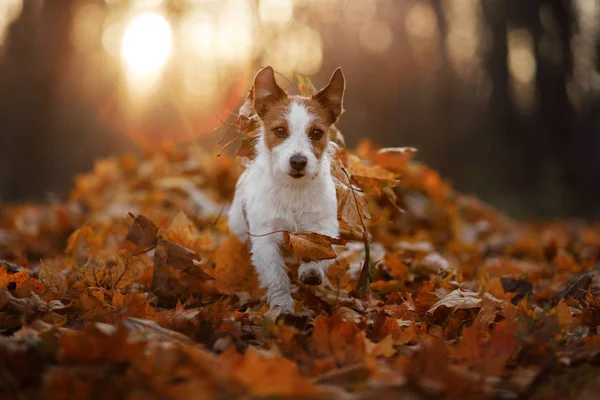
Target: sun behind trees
134,287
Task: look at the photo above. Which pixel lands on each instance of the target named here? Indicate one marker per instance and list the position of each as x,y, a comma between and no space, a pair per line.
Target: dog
288,186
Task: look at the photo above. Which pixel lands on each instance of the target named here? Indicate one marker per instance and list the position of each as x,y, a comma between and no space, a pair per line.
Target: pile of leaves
134,288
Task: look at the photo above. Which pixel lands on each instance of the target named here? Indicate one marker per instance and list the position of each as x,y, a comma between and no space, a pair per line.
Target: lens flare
147,43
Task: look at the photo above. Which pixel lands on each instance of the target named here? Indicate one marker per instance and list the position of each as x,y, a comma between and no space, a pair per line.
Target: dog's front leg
272,271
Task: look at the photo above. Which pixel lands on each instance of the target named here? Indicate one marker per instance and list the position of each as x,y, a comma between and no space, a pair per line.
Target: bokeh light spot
276,11
421,21
521,60
375,36
147,43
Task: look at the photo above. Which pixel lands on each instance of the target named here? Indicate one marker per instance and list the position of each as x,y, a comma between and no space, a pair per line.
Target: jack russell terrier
288,186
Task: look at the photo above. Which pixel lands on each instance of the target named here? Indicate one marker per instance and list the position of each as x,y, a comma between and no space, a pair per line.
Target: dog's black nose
298,162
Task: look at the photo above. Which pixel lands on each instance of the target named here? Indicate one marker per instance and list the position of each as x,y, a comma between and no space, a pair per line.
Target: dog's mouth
296,174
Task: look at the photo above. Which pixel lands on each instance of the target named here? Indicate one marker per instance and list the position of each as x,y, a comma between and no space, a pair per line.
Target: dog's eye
280,132
316,134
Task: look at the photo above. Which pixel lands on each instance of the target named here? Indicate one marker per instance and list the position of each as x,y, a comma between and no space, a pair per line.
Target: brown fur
272,103
273,118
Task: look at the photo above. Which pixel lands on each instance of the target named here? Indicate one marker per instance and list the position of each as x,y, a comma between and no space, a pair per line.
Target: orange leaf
269,376
233,271
311,246
370,177
341,340
18,281
564,314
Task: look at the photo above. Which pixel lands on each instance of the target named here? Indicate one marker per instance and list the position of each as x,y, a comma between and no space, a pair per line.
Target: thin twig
226,123
362,285
227,145
355,200
267,234
219,216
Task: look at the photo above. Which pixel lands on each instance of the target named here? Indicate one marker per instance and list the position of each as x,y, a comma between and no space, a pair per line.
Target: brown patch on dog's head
272,104
275,123
266,91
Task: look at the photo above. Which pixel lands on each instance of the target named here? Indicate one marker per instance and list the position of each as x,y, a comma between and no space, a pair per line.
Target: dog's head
295,128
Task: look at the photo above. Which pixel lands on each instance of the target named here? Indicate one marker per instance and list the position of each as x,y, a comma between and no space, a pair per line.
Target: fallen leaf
340,340
384,348
458,299
269,376
142,233
311,246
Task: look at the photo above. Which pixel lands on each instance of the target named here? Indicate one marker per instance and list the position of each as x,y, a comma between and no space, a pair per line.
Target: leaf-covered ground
134,289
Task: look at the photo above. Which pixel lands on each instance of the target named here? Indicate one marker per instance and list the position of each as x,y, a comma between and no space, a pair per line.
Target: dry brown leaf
490,307
143,232
311,246
233,271
458,299
373,178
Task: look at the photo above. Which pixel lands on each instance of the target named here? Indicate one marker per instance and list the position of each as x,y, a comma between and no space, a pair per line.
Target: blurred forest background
501,96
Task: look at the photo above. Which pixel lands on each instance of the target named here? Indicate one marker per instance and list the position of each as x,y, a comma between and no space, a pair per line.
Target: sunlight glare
147,43
198,34
276,11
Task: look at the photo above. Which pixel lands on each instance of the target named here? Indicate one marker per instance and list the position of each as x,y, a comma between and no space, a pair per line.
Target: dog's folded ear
332,95
266,91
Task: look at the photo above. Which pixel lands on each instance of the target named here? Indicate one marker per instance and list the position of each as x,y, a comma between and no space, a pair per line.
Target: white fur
274,201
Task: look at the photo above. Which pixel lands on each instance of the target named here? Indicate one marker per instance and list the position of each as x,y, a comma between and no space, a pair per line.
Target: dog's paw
310,275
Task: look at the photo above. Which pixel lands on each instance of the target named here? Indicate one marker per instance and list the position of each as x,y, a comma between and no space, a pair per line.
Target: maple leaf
185,233
370,177
311,246
384,348
169,254
233,270
267,375
458,299
339,339
143,232
490,307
